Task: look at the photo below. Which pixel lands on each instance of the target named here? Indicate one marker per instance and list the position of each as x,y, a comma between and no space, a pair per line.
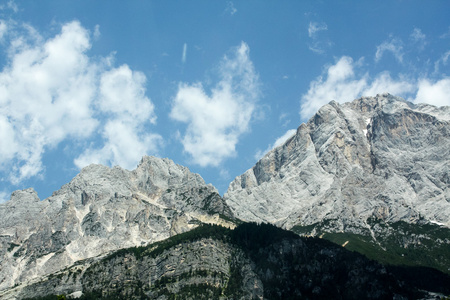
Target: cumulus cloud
394,46
345,81
52,91
216,120
433,92
278,142
122,98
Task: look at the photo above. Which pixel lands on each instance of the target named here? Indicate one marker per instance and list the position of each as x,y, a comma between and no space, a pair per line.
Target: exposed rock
251,262
102,209
378,157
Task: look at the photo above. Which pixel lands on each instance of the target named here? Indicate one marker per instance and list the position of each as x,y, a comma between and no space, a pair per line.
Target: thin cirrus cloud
418,38
216,120
315,27
184,53
394,46
317,45
346,80
51,91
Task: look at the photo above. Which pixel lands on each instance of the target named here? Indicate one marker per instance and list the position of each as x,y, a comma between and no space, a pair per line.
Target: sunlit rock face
376,157
102,209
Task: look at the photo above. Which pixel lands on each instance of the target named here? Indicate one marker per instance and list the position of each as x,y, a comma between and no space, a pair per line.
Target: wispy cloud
3,29
52,91
315,27
443,60
10,5
418,38
216,121
394,46
316,44
184,53
230,8
446,34
96,31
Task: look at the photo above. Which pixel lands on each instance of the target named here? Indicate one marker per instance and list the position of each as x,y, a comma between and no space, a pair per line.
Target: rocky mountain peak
376,157
102,209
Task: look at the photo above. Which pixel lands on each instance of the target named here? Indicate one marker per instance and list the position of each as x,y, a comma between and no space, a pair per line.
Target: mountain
250,262
374,158
372,173
371,176
102,209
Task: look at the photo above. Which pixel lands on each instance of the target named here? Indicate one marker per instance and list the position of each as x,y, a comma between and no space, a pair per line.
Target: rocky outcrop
251,262
376,157
102,209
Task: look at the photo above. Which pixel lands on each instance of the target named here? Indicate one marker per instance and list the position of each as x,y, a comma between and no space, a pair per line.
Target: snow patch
437,223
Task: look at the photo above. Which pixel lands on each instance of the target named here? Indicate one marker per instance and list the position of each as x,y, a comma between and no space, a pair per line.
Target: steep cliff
251,262
374,158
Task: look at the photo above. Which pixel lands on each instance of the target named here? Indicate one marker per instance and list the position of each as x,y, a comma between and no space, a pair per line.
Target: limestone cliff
374,158
102,209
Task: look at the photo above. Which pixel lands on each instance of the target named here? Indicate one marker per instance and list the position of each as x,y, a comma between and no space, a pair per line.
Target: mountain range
370,176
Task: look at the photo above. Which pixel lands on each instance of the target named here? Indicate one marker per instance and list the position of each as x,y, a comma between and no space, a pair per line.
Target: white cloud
394,46
315,27
125,143
344,82
122,97
44,91
216,121
340,85
278,142
435,93
52,91
183,55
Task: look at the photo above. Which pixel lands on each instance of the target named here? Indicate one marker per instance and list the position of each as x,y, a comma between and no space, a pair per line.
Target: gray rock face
376,157
204,263
102,209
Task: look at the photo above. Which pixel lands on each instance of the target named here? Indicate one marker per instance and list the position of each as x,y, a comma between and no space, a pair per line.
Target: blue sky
212,85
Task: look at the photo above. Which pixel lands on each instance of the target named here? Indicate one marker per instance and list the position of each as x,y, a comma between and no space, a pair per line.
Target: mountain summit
379,158
101,210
